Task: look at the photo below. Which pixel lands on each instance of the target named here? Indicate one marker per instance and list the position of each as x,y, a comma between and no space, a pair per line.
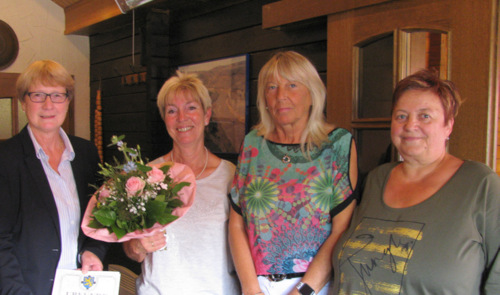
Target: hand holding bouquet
137,199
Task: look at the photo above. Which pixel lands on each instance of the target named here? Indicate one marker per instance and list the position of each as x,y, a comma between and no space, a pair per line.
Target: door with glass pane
379,47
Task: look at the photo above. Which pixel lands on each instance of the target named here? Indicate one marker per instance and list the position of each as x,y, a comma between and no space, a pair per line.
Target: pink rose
155,175
104,193
134,184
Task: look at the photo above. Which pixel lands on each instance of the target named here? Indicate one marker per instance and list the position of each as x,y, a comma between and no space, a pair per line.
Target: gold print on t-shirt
378,252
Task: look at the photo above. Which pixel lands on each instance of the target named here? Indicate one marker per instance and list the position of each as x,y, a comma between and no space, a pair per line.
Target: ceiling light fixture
127,5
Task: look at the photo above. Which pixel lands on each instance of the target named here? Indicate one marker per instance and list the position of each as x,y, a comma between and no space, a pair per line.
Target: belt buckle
276,277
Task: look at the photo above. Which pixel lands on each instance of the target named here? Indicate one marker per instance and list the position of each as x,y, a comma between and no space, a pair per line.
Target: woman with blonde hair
292,195
196,259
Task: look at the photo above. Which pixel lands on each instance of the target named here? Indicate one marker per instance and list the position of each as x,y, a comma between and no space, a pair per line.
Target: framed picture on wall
227,82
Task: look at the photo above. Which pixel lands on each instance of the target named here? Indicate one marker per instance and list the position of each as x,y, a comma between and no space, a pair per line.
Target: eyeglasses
40,97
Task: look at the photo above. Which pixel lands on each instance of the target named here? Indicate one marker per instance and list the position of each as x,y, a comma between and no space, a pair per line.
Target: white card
74,282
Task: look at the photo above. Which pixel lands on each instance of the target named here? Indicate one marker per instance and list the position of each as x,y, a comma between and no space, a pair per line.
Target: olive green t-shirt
447,244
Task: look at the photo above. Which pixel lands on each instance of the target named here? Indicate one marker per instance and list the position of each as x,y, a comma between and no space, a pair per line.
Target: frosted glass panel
5,118
22,120
376,63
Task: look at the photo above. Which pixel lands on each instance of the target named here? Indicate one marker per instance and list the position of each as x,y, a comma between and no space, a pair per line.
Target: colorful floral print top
288,207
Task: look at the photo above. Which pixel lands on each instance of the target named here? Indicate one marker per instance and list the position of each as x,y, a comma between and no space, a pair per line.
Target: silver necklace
206,161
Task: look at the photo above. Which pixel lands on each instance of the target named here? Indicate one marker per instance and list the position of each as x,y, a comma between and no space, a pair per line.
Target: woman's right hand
137,249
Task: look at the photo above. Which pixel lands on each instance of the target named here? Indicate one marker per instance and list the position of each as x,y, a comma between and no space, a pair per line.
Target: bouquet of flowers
137,199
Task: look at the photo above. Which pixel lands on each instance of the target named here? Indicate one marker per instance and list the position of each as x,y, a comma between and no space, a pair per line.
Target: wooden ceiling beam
85,13
289,11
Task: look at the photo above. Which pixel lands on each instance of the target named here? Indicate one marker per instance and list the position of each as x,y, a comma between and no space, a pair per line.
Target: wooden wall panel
114,68
120,104
120,48
242,41
474,46
213,23
288,11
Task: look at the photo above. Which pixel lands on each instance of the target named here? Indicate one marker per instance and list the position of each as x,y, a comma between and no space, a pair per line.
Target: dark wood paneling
125,122
243,41
116,33
120,48
114,86
248,14
115,68
134,102
192,9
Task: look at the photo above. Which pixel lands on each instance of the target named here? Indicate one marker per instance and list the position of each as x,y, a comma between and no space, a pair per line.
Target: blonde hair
293,66
183,82
47,73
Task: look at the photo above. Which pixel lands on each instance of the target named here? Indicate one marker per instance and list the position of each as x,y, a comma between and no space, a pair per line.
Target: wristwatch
305,289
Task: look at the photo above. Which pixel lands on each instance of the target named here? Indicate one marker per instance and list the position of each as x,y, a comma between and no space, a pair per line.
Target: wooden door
374,53
471,38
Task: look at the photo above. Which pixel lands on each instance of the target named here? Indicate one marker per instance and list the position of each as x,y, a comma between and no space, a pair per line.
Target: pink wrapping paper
179,173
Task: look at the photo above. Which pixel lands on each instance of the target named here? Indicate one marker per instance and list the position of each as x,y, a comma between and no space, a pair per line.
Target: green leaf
143,168
175,203
105,216
160,198
118,231
155,208
121,224
179,186
95,224
165,169
166,218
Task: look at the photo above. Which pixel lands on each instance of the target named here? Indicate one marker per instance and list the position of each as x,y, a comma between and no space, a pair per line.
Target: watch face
305,289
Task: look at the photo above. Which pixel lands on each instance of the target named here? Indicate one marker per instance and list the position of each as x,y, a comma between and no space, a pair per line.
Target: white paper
74,282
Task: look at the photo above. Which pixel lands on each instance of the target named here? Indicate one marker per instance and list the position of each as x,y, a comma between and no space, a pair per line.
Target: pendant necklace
206,161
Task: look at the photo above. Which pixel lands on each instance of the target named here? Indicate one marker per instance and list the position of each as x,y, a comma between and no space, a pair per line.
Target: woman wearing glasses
44,188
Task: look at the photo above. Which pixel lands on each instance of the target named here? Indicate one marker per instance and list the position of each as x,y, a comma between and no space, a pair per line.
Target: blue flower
129,167
134,153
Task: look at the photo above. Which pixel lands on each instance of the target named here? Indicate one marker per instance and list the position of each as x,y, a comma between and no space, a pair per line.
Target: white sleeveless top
197,259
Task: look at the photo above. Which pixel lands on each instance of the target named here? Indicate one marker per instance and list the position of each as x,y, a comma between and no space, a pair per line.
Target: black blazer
30,243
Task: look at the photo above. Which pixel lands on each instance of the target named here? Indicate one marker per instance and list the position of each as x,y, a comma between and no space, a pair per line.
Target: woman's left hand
137,249
154,242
